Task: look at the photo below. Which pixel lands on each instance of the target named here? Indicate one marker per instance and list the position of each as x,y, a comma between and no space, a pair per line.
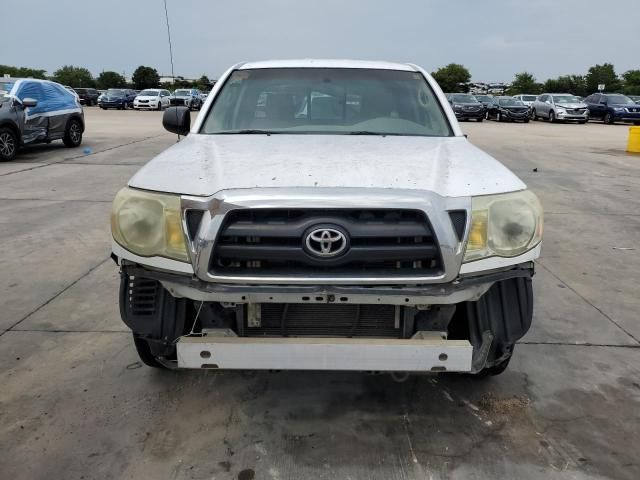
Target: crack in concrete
81,156
56,295
589,302
584,344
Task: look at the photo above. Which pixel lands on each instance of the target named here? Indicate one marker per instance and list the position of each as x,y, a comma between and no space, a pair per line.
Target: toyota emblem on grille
326,242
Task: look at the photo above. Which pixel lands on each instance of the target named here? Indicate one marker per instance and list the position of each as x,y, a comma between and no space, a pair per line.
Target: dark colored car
485,100
466,106
120,98
613,107
508,109
37,111
88,96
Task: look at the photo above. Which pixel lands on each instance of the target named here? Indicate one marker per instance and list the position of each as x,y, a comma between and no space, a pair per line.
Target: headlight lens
505,225
149,224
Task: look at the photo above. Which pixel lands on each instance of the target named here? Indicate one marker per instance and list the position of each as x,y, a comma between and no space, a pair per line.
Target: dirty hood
206,164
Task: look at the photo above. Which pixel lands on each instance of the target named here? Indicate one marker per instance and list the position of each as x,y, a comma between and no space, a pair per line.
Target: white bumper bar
415,355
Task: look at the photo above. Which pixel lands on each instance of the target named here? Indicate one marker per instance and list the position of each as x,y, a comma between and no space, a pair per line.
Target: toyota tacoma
325,215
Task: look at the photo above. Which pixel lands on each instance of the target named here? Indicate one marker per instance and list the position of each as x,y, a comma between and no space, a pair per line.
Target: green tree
524,82
575,84
602,74
203,83
452,78
110,79
631,82
22,72
74,76
145,77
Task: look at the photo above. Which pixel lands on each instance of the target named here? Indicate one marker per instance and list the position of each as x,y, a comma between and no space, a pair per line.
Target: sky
494,39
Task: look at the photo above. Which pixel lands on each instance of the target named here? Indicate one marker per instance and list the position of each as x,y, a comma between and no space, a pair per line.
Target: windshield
115,92
327,101
463,99
510,102
619,99
529,98
182,93
566,99
484,98
5,87
149,93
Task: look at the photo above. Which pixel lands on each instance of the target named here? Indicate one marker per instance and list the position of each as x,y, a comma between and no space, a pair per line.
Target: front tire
552,117
8,144
479,119
499,116
608,119
496,369
73,134
144,352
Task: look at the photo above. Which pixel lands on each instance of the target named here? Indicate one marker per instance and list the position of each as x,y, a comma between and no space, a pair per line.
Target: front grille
518,111
472,108
270,242
176,101
327,320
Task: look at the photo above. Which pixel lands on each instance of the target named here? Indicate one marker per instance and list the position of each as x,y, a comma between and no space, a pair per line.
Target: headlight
149,224
561,109
505,225
618,109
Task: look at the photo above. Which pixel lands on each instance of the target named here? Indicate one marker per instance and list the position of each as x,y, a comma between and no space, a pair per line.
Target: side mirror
177,120
29,102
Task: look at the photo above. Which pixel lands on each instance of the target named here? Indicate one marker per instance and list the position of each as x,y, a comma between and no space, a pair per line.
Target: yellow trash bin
634,140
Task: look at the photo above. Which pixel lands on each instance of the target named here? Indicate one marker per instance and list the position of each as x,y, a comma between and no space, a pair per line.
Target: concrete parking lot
76,403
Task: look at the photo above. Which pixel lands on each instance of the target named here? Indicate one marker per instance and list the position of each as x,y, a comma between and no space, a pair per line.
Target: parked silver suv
325,214
560,107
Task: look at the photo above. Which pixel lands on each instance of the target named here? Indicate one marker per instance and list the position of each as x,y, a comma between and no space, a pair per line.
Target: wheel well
75,117
13,127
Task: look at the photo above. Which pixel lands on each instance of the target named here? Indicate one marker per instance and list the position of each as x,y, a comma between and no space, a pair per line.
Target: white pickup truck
325,215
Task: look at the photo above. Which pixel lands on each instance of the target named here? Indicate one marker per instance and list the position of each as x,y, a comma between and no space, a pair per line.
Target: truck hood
206,164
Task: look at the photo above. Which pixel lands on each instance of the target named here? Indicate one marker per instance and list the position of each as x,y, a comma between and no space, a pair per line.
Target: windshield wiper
248,131
368,132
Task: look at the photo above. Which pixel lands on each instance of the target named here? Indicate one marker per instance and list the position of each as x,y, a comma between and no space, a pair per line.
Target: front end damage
468,325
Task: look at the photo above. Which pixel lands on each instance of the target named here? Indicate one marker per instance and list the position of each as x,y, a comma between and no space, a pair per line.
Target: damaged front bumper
487,314
465,288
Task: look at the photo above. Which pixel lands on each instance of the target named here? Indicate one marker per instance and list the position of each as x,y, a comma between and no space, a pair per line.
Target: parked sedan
120,98
152,99
187,97
613,108
485,100
507,109
526,98
87,96
560,107
466,106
